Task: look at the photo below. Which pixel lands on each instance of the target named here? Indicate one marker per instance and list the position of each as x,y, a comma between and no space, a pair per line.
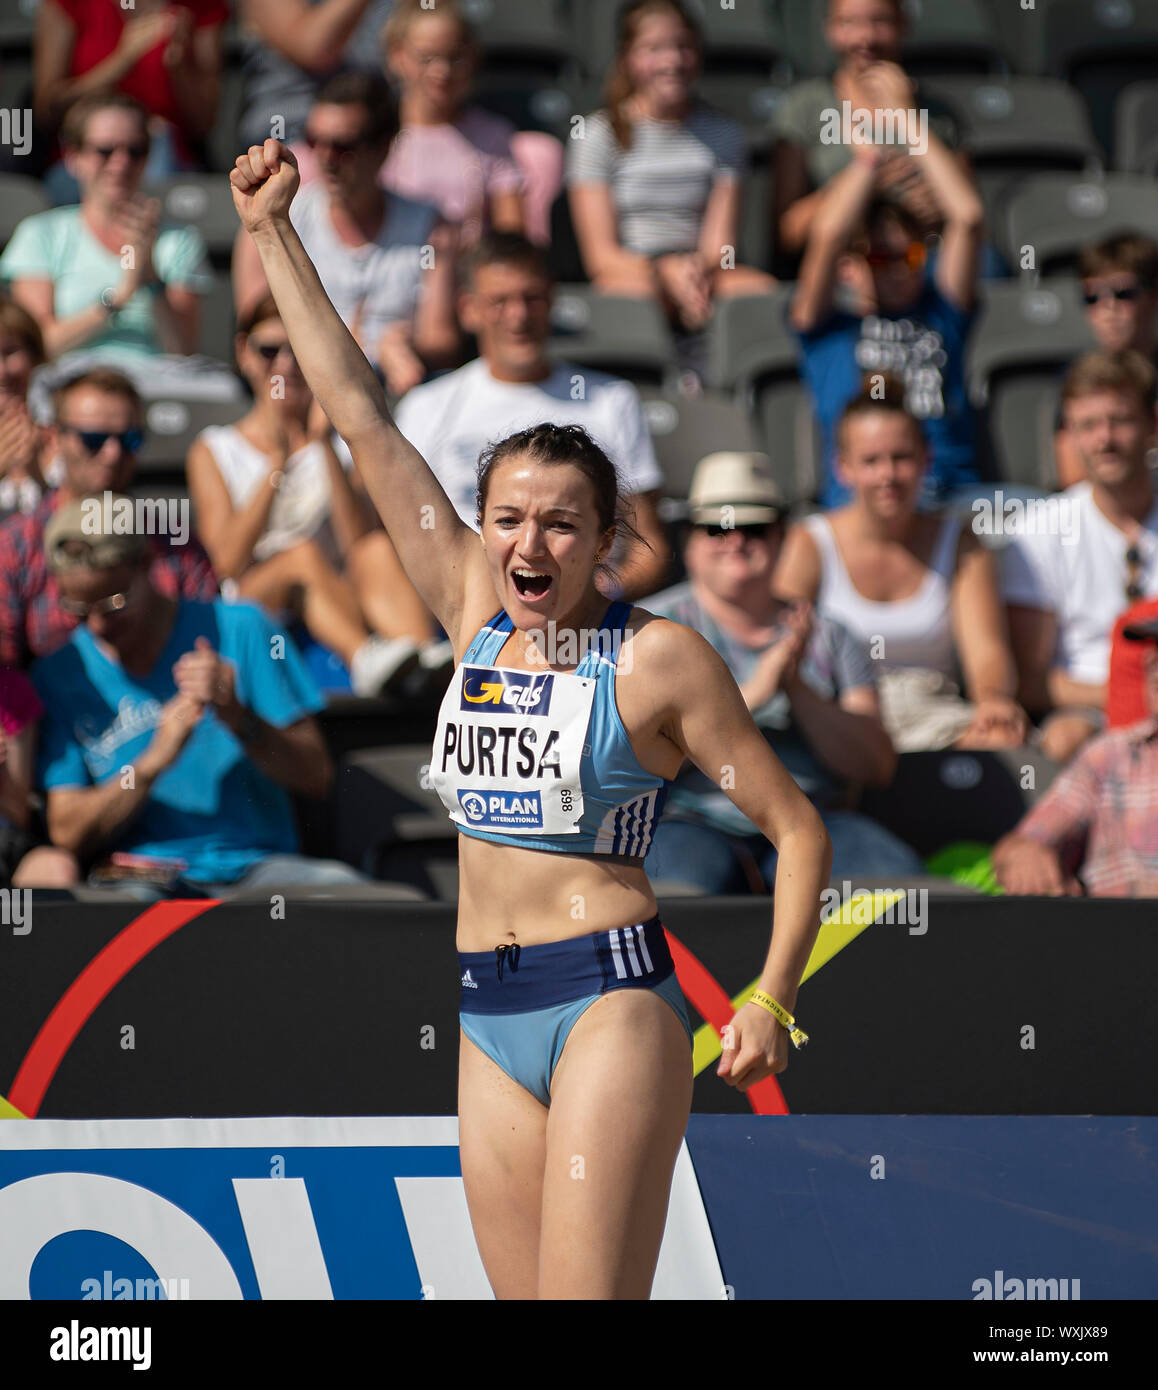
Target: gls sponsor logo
484,686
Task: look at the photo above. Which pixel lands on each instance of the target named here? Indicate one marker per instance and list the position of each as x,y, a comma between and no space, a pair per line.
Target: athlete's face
541,518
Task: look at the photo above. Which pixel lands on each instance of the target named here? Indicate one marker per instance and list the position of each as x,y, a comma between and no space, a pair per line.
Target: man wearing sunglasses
809,684
169,734
1095,830
98,429
900,320
1064,598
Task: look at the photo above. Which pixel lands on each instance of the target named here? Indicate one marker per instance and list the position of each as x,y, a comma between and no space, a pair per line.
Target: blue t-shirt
926,349
212,806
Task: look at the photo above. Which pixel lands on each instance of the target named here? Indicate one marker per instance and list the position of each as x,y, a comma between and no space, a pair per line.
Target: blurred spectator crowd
859,296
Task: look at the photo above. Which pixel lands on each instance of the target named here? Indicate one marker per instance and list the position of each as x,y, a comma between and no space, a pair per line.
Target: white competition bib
509,749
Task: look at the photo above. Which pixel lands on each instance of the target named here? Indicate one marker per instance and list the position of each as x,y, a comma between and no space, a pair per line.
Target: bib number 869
566,799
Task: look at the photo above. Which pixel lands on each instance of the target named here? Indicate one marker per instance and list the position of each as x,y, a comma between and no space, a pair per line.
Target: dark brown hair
15,319
368,89
77,116
265,308
1128,251
880,393
618,90
503,248
1127,371
564,444
103,379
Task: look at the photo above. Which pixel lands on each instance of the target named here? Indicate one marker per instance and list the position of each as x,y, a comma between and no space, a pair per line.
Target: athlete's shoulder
664,648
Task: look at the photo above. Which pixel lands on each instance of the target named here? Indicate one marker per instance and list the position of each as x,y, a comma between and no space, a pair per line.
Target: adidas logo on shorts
467,982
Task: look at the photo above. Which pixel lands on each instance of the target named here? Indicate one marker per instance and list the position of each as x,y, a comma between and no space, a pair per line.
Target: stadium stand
1136,129
1057,215
685,429
627,337
20,197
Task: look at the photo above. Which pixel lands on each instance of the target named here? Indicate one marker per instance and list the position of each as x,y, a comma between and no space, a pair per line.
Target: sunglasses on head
113,604
913,256
1124,294
106,152
95,440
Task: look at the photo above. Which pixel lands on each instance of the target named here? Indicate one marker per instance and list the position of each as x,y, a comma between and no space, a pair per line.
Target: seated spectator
98,430
290,48
23,454
865,36
385,262
169,734
918,588
808,682
106,280
468,163
166,55
655,180
1120,288
900,320
23,863
1064,591
286,528
1095,830
513,384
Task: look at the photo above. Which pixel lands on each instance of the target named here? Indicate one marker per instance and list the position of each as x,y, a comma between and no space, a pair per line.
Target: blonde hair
405,13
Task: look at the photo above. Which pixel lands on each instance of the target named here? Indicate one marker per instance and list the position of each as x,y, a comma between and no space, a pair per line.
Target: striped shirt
1101,814
659,186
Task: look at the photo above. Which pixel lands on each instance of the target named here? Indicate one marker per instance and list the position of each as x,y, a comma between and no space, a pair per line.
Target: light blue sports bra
542,760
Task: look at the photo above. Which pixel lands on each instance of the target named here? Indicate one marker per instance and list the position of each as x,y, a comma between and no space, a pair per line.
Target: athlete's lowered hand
755,1047
264,181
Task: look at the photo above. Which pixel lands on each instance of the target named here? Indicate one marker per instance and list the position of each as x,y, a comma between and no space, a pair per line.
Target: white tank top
302,505
916,631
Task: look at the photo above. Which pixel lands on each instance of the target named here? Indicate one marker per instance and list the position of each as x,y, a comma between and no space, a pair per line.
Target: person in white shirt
1066,585
513,384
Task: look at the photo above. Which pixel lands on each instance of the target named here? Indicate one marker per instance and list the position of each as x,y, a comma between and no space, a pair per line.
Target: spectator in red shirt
1095,830
166,55
97,431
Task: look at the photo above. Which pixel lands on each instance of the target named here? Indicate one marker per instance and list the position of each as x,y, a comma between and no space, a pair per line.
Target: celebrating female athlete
566,718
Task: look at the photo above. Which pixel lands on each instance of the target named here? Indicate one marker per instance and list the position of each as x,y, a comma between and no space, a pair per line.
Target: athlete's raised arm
706,717
440,554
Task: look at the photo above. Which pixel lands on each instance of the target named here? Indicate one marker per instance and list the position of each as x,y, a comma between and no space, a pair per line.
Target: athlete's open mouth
531,583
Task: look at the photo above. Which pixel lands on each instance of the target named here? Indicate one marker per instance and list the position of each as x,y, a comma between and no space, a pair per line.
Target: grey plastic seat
685,429
20,197
749,337
203,201
1058,214
218,319
172,424
518,32
1136,129
1025,337
628,337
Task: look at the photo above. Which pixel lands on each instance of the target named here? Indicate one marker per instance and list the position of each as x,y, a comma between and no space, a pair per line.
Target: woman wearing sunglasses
287,529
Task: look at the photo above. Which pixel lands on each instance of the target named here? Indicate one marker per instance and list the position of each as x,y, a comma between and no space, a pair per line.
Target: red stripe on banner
714,1006
99,977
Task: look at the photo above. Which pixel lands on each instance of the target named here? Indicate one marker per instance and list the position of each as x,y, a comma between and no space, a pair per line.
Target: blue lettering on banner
501,808
495,688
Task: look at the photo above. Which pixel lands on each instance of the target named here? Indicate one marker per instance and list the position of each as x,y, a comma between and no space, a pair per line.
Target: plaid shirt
1101,814
32,622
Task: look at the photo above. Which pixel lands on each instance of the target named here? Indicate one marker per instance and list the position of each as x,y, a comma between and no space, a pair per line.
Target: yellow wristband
778,1011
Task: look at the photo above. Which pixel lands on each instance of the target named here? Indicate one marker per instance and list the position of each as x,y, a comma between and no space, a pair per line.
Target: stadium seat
1014,128
20,197
1100,46
1136,129
944,36
1058,214
171,426
629,337
17,29
218,319
1025,336
224,144
379,799
752,350
203,201
685,429
939,798
525,35
755,241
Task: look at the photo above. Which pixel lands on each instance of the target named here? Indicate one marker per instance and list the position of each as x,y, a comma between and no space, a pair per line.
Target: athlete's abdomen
511,894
